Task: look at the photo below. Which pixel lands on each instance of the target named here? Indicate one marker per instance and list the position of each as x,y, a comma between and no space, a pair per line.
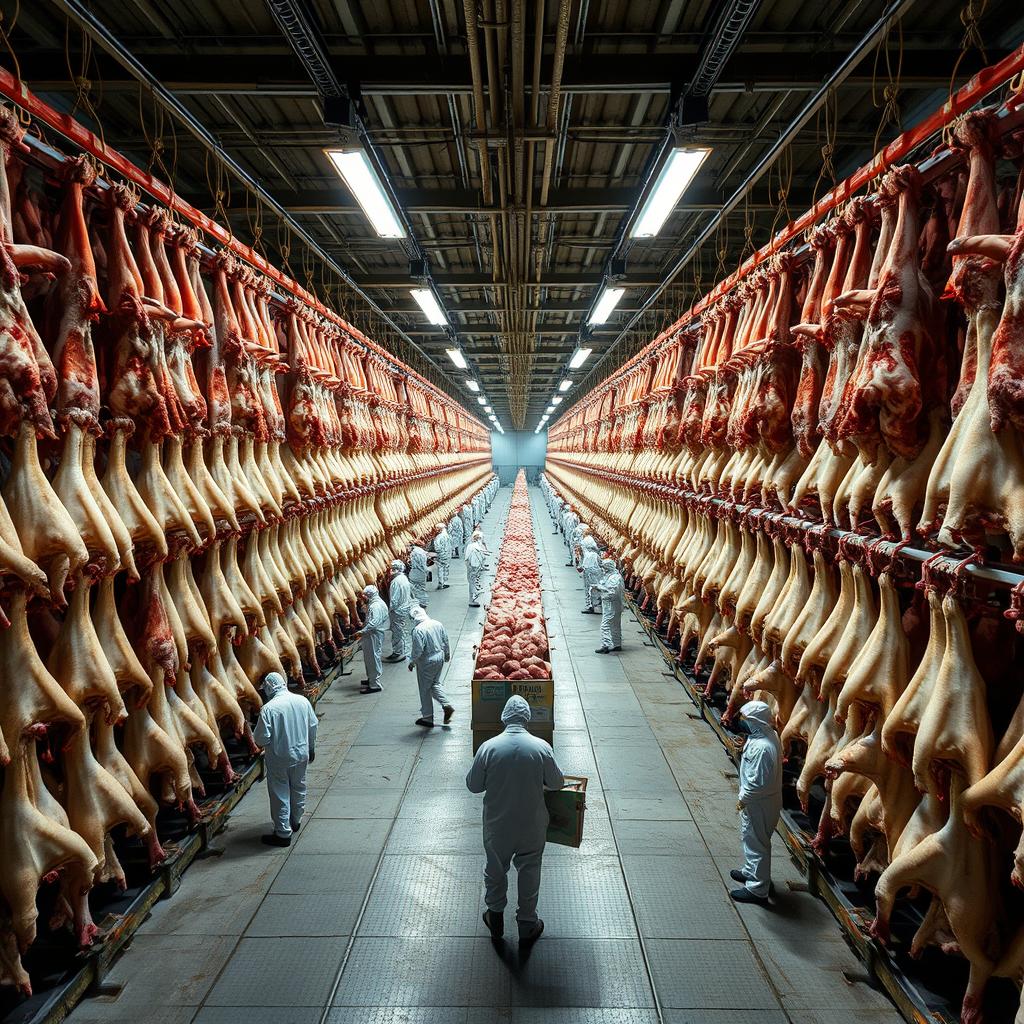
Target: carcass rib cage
761,473
226,470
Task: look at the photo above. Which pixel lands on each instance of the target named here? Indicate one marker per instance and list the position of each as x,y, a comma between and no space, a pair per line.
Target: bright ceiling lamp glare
579,357
359,174
472,385
550,409
456,356
557,400
488,409
605,305
673,180
565,385
481,400
432,310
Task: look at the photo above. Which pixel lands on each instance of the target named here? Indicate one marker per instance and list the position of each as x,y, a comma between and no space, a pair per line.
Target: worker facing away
443,551
611,589
575,545
760,802
286,730
418,572
455,532
590,563
399,605
430,650
371,637
476,559
512,771
467,522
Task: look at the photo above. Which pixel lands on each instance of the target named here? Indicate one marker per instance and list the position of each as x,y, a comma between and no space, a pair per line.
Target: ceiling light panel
359,174
673,180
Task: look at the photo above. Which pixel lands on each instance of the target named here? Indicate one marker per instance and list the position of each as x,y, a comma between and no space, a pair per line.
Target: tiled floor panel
373,915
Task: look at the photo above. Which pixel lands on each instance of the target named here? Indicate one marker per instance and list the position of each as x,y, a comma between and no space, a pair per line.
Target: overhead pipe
87,20
479,111
557,65
870,39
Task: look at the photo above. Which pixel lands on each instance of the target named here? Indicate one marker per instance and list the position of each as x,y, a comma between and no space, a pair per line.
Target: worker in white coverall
430,651
760,802
286,730
399,605
455,532
556,514
418,573
574,543
512,771
591,564
467,522
611,588
371,636
443,551
476,559
569,523
478,510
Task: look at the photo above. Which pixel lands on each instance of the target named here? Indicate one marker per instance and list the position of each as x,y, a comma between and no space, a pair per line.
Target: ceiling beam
700,198
472,279
400,75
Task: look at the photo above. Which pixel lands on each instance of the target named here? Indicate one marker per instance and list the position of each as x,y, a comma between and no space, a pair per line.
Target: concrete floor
373,915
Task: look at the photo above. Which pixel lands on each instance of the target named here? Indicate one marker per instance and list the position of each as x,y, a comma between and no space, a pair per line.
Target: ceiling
517,246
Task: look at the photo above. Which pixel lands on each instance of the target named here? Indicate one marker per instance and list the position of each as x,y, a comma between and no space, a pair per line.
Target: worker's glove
312,756
740,805
411,668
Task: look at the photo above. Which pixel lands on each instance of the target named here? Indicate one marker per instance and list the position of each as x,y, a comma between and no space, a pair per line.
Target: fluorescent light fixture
456,356
557,400
673,180
432,310
550,409
605,304
472,385
579,357
565,385
361,177
481,400
487,408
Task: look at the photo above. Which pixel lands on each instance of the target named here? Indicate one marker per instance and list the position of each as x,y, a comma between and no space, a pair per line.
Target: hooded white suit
286,731
512,771
760,794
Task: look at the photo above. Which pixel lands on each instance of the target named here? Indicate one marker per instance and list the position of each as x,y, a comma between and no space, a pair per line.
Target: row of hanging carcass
746,470
199,480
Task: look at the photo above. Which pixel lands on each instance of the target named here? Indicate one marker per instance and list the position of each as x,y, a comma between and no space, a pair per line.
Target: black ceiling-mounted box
418,270
616,268
694,110
338,112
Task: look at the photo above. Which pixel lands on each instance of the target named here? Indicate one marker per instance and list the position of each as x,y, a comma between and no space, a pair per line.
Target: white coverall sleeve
261,734
311,725
757,769
553,778
476,780
417,646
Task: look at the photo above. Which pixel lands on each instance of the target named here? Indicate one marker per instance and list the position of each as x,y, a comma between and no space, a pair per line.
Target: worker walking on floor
286,730
418,573
430,650
611,589
512,771
399,604
456,534
760,802
443,551
371,636
476,559
591,566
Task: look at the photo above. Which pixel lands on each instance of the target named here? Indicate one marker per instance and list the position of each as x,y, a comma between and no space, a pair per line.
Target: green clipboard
566,808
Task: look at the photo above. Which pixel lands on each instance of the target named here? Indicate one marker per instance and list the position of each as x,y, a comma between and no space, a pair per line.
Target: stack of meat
515,643
874,388
223,474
